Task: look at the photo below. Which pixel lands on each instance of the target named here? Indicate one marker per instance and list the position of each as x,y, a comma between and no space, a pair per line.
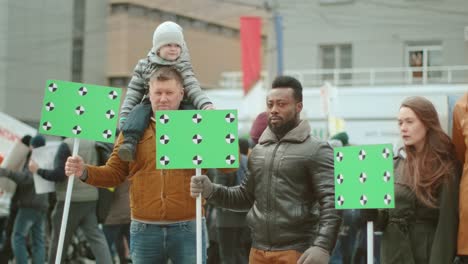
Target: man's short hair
289,82
167,73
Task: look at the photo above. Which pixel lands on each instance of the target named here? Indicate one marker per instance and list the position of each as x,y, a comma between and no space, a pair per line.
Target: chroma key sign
80,111
187,139
364,177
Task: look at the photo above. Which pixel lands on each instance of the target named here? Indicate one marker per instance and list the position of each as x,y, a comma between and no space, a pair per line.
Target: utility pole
79,17
279,41
274,52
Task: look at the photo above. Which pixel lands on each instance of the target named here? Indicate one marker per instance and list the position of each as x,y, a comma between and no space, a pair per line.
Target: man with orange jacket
163,212
460,140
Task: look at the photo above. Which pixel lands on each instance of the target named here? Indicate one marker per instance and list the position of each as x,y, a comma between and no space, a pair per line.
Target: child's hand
209,107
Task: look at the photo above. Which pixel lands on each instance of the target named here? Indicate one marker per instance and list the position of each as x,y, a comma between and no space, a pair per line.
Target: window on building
154,14
78,40
119,82
198,24
119,8
423,56
331,2
136,10
168,16
213,28
229,32
185,21
77,60
336,57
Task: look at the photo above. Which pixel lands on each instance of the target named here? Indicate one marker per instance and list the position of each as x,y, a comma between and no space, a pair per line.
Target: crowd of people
278,207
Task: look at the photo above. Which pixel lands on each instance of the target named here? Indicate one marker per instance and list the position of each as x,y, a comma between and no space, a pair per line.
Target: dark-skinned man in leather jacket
290,177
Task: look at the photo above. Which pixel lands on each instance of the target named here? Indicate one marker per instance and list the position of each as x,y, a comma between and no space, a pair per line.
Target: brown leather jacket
287,180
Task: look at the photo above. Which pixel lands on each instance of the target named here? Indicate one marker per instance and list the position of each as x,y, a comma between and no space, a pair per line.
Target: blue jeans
153,243
27,221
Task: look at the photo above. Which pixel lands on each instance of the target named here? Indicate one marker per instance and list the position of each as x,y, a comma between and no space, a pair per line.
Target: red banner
251,44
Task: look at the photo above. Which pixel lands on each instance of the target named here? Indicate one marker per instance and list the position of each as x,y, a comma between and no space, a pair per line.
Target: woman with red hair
422,228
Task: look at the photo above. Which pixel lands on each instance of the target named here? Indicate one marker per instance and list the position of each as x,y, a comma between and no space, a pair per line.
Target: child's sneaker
127,150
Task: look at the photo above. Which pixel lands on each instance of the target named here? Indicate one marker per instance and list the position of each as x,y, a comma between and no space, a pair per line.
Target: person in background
163,224
289,172
342,254
422,228
117,224
8,213
233,234
351,246
460,140
82,212
32,213
113,210
258,126
340,139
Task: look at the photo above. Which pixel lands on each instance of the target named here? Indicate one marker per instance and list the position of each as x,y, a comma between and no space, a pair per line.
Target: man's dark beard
282,130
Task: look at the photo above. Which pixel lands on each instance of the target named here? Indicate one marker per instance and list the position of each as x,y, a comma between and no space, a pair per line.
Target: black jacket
288,180
414,233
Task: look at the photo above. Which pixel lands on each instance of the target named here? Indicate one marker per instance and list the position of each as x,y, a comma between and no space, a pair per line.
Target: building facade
214,45
41,40
100,42
373,53
362,34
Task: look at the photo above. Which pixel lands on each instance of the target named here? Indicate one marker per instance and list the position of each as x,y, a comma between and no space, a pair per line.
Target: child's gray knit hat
165,33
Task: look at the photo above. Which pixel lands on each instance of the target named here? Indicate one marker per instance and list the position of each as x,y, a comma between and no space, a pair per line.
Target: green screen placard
364,177
80,110
187,139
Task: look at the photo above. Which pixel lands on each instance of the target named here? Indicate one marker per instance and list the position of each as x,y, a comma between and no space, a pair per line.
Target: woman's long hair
425,171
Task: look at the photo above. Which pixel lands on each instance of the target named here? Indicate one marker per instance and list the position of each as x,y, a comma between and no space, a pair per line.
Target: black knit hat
343,137
26,140
37,141
258,126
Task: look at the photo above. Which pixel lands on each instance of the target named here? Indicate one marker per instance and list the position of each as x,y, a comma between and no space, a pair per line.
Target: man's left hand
314,255
200,184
